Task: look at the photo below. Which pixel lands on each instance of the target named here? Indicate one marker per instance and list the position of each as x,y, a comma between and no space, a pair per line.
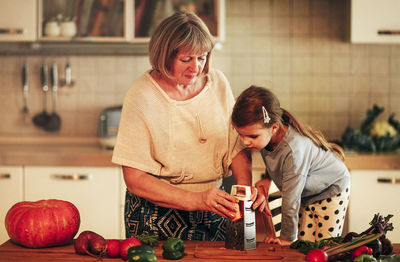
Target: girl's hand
277,240
220,202
259,200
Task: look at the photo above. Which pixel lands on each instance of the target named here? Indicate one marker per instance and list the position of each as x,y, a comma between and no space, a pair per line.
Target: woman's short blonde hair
181,31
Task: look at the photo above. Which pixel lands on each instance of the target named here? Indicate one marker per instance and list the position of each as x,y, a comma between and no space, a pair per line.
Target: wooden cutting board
217,250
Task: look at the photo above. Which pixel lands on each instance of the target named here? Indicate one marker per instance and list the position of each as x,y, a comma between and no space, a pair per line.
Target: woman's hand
220,202
277,240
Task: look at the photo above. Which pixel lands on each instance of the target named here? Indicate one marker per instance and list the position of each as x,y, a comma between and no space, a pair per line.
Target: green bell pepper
173,248
142,253
173,255
141,249
364,258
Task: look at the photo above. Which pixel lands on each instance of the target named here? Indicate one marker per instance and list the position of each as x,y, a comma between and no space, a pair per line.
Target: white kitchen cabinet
94,191
130,21
372,192
122,204
375,21
18,20
11,179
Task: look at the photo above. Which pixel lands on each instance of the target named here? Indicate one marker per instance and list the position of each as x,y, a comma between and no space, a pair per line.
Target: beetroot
126,244
90,243
113,247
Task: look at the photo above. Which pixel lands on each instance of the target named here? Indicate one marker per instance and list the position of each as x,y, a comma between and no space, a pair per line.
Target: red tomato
113,247
126,244
361,250
316,255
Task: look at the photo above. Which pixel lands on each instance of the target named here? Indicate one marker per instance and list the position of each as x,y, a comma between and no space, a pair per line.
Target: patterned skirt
142,216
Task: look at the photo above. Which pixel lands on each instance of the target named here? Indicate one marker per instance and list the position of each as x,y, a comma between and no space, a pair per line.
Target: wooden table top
11,252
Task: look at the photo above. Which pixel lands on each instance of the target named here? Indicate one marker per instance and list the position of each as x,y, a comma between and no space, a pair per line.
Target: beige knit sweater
189,144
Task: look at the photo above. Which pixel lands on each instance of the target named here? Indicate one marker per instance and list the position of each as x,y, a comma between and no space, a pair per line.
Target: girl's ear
275,128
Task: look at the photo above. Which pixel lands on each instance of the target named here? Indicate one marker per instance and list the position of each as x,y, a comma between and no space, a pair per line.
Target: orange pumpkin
43,223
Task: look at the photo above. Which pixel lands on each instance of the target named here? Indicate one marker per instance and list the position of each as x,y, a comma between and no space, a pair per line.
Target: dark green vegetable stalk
304,245
379,224
356,242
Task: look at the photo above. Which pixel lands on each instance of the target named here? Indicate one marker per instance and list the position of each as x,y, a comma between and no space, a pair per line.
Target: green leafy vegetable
147,239
373,136
387,258
304,245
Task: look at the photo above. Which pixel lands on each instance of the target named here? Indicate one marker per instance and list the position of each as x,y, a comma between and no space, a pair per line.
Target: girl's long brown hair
248,110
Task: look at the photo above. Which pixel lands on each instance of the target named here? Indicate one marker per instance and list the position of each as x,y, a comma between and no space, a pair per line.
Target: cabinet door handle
72,176
5,176
388,180
388,32
12,31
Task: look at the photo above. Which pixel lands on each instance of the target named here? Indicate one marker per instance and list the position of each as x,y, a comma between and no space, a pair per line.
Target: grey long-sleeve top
304,173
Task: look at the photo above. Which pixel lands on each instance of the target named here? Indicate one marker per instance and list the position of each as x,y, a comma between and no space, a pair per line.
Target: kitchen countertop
55,155
355,160
12,252
87,152
54,151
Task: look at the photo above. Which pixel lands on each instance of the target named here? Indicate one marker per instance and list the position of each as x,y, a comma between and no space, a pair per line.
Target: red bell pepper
361,250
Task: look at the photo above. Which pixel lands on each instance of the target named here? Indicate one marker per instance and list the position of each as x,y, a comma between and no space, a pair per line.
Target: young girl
309,171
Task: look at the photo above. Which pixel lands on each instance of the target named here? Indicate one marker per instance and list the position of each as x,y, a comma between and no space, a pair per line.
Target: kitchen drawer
95,192
18,20
374,191
375,21
11,178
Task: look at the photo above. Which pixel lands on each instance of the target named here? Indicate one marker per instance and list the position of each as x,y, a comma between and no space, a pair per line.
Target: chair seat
274,205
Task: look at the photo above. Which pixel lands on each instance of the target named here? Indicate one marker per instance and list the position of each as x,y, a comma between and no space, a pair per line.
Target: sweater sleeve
134,143
294,178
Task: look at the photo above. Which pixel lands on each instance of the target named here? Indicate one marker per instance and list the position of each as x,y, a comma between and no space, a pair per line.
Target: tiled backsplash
298,48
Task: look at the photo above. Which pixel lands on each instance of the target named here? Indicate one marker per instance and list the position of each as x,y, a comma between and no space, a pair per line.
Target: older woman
175,141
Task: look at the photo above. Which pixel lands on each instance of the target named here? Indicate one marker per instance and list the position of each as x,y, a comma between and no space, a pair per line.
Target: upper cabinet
55,27
118,20
148,14
85,20
375,21
18,20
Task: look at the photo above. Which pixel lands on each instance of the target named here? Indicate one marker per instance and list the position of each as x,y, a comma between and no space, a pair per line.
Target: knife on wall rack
25,92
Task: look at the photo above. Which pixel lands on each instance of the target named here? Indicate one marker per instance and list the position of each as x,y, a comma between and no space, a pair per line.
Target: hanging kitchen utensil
54,122
67,82
68,74
25,90
42,118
